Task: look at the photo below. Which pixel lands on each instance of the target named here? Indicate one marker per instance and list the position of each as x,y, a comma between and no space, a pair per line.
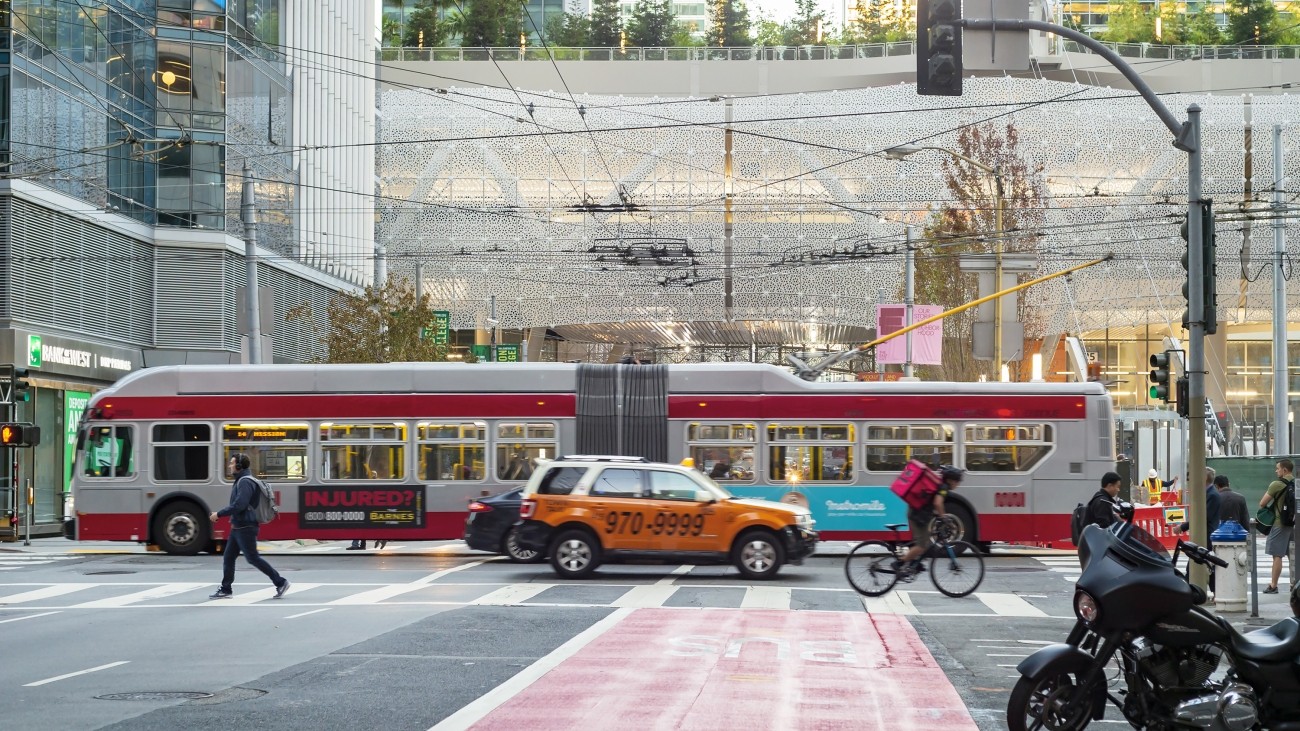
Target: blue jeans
244,540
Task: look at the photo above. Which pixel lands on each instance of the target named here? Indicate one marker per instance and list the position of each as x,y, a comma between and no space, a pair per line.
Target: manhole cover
155,695
107,573
1013,569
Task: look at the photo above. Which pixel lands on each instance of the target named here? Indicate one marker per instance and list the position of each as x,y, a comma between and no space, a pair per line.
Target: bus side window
109,452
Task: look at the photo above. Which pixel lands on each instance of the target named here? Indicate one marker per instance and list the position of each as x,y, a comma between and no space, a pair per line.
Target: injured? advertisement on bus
361,507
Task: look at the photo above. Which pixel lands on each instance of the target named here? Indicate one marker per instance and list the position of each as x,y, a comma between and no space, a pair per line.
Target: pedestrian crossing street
123,595
15,561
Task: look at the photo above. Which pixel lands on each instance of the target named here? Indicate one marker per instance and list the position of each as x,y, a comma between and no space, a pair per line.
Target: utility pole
1198,574
997,272
1281,406
248,214
909,298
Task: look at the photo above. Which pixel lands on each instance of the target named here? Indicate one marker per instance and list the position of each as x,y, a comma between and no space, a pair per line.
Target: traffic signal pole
1187,137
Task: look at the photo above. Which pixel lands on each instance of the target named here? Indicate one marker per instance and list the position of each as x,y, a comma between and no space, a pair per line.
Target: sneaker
354,548
281,589
1270,590
221,594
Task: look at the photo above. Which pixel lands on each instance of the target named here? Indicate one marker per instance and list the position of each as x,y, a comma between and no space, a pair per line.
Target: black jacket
1102,510
240,508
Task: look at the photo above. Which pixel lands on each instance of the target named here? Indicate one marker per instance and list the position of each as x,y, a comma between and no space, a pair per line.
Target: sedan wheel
511,548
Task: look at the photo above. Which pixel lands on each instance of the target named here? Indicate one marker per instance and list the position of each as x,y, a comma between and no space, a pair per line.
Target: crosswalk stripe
1009,605
48,592
895,602
765,597
157,592
253,597
654,595
513,594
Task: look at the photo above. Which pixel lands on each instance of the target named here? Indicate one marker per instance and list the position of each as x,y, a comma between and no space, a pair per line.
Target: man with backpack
1101,509
245,499
1279,498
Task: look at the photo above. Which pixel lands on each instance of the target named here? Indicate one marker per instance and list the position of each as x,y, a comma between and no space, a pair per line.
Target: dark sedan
490,526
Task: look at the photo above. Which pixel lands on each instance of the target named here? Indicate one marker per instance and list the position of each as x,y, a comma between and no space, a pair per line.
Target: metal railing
806,53
673,53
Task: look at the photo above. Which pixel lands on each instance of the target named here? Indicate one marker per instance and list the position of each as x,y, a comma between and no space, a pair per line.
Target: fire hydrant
1230,582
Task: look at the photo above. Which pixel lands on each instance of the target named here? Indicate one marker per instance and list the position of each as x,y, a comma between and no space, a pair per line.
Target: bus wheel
181,529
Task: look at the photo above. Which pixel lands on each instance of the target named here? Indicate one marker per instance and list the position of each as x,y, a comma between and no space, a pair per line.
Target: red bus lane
713,669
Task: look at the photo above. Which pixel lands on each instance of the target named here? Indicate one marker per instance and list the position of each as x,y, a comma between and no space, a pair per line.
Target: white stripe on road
158,592
374,596
654,595
895,602
304,614
513,594
683,569
254,597
73,675
490,701
765,597
46,593
30,616
1009,605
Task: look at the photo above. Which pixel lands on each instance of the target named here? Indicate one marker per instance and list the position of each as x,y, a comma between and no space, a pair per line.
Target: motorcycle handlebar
1201,554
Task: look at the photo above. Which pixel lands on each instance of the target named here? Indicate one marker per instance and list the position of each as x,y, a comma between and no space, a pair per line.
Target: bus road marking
30,616
304,614
490,701
73,675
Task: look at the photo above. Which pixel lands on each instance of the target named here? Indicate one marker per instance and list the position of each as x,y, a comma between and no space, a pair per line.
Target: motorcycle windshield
1137,539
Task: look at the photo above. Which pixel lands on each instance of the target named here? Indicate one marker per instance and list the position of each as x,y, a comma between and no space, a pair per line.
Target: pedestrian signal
19,435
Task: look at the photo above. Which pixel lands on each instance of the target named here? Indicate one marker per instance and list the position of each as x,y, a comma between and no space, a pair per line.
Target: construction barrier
1161,521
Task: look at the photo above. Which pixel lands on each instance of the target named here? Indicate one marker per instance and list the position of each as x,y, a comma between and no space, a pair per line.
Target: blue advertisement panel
835,508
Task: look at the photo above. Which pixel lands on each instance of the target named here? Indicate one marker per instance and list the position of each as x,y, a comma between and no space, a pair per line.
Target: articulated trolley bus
396,451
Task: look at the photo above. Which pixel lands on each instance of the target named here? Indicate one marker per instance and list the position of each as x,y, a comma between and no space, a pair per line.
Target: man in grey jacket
244,495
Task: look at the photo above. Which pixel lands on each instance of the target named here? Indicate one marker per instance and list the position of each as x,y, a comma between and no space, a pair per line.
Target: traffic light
21,386
1208,273
938,47
1184,401
19,435
1160,376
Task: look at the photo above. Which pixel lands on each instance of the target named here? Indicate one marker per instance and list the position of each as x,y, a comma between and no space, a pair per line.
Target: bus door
106,508
681,521
619,512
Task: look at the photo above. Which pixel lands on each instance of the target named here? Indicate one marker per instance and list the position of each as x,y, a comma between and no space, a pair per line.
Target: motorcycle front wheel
1041,704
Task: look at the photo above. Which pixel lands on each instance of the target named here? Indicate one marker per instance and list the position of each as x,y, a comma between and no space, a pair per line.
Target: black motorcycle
1134,606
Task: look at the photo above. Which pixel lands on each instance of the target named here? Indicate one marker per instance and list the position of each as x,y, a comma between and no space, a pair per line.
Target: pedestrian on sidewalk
1232,504
244,495
1278,543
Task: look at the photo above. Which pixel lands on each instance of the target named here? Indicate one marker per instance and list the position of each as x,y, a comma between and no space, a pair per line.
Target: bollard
1229,541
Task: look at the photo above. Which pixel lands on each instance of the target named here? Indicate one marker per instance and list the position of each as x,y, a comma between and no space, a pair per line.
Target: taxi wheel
758,555
575,554
516,553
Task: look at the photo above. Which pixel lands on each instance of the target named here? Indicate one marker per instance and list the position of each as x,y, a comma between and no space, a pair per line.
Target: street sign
441,327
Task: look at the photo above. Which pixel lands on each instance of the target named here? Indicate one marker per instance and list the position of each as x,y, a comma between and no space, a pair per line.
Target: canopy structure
585,210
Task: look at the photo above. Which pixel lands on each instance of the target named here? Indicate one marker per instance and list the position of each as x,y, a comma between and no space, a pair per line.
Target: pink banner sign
927,342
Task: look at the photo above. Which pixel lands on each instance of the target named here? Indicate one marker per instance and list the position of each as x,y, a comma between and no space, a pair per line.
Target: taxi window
618,483
561,480
672,486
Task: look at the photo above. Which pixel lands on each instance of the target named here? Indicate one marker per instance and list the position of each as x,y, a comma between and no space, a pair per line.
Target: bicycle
874,567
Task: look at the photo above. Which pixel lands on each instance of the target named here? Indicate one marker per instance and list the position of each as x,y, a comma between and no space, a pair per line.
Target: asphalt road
414,640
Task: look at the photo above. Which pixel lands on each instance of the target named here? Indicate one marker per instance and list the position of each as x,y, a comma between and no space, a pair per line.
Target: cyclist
919,521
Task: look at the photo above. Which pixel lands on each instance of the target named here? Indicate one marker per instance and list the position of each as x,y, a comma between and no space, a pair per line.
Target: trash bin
1230,582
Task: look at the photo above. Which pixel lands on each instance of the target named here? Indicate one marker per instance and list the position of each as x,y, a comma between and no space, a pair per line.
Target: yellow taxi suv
582,511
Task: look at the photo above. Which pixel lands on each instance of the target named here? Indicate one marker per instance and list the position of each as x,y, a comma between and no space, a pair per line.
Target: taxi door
682,522
620,514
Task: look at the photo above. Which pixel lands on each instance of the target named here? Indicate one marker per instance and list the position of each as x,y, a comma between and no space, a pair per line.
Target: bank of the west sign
52,354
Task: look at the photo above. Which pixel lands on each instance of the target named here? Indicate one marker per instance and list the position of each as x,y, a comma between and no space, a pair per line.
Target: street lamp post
902,151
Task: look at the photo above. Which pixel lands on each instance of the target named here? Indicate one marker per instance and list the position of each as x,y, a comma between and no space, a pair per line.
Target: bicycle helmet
948,472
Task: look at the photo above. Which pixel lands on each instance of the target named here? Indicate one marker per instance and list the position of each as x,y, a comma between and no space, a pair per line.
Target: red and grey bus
398,450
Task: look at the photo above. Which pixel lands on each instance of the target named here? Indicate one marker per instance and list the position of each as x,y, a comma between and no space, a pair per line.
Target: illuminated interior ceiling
616,215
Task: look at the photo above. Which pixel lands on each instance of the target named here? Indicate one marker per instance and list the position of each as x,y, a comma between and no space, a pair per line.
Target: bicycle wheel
958,570
870,568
